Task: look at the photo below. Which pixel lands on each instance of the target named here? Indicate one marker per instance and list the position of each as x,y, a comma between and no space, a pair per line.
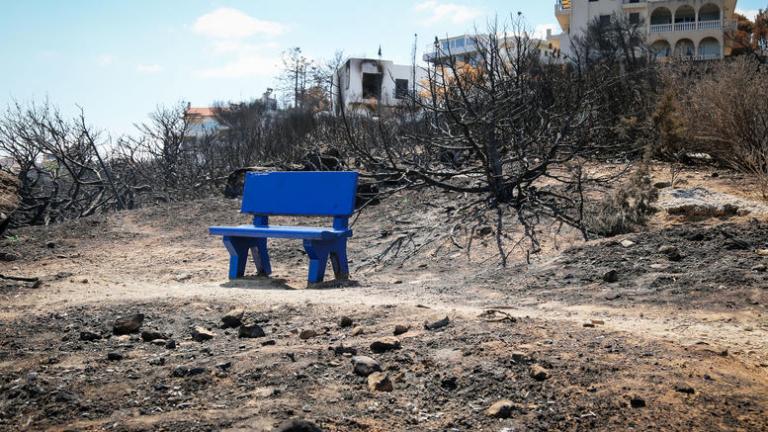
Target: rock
437,324
401,328
341,350
589,325
184,371
115,356
611,276
762,252
8,256
662,185
128,324
201,334
250,331
637,402
685,388
307,334
760,268
385,344
597,322
379,381
357,331
364,365
297,425
181,277
159,342
157,361
449,383
224,365
519,356
627,243
171,344
500,409
269,342
50,244
150,335
345,322
538,372
89,336
672,253
233,318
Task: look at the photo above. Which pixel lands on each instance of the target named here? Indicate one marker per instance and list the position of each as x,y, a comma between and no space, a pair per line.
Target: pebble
128,324
611,276
627,243
357,331
171,344
345,322
685,388
364,365
89,336
538,372
151,335
401,329
379,381
437,324
760,268
250,331
114,356
201,334
387,343
307,334
637,402
500,409
297,425
233,318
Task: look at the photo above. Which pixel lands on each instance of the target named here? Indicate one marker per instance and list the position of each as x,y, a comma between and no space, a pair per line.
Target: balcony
686,26
563,11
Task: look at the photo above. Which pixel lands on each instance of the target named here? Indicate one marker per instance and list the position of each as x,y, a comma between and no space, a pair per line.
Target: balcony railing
687,26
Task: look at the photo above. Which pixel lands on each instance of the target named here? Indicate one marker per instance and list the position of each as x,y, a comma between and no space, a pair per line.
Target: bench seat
278,231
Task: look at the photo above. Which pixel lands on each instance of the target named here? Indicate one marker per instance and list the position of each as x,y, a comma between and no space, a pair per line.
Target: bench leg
261,256
318,251
339,259
238,255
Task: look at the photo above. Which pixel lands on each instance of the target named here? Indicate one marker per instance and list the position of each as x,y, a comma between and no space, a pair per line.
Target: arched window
709,48
709,12
685,48
660,16
661,49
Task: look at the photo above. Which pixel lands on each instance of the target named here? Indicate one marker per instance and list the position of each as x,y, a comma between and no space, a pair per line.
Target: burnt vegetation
515,136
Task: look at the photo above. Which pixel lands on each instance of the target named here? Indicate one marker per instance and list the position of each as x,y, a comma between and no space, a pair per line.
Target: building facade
366,85
466,49
693,29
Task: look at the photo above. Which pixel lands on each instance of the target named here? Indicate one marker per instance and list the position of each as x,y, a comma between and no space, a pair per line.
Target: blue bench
329,194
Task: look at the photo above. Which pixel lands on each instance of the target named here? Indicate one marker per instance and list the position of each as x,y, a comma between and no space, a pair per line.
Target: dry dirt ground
665,329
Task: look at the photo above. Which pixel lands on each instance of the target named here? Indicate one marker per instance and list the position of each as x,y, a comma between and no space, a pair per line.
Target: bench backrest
300,193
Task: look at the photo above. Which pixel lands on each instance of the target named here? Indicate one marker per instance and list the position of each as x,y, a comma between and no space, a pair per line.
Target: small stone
357,331
637,402
385,344
89,336
180,371
297,425
401,329
224,365
201,334
589,325
611,276
762,252
662,185
437,324
233,318
379,381
159,342
672,253
250,331
519,356
500,409
538,372
50,244
157,361
307,334
114,356
760,268
171,344
627,243
150,335
345,322
341,350
364,365
685,388
129,324
597,322
269,342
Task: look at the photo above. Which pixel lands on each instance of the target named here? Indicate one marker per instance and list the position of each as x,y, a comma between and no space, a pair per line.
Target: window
605,20
401,88
371,85
634,18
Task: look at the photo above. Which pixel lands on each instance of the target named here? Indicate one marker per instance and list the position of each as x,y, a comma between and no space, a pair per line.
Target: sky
120,59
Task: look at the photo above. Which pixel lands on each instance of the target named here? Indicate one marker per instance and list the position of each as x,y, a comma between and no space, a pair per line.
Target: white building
466,49
685,28
366,85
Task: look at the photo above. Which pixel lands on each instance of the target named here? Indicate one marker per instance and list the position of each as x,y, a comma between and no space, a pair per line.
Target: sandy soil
682,326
